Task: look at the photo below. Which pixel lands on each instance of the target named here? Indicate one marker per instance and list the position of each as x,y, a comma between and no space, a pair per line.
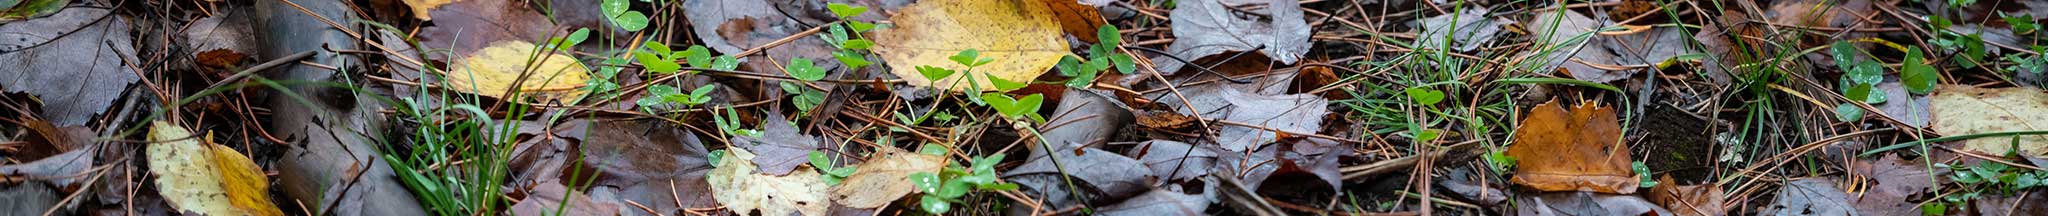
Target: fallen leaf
1101,175
650,164
1159,202
1689,200
780,148
1203,28
421,8
1963,110
735,184
1021,36
1585,203
1473,28
1809,196
73,61
709,17
1291,113
1082,117
1892,182
885,177
1175,160
1911,112
1076,19
63,170
1565,38
195,175
547,198
1463,182
468,26
2012,204
494,70
1647,47
1572,150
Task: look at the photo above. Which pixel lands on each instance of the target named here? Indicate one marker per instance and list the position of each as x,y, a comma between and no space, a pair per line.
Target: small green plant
621,14
659,95
1016,108
1859,80
941,190
1918,77
805,98
1643,173
730,124
1984,177
1968,47
1102,56
659,59
852,45
832,174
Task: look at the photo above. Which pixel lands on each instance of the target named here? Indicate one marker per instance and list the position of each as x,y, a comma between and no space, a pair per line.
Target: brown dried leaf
1580,149
546,198
1078,20
1690,200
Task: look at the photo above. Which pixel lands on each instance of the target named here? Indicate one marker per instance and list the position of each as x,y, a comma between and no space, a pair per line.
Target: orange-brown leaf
1572,150
1690,200
1078,20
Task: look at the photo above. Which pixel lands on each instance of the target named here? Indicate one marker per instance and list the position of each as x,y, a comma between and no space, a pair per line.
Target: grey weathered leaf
650,164
1103,175
466,26
63,170
1810,196
1208,27
1473,27
1588,203
1159,202
780,148
1561,35
1911,112
546,198
1175,160
1294,113
1647,47
1892,181
1083,117
73,61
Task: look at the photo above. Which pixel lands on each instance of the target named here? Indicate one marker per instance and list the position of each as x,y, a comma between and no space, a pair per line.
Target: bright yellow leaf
734,183
1021,35
194,175
492,70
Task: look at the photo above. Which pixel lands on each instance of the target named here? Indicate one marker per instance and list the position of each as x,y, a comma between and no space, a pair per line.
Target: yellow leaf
1965,110
492,70
1021,35
885,178
420,7
205,178
734,183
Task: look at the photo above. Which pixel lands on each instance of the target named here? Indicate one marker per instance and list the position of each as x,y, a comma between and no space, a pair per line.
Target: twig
260,67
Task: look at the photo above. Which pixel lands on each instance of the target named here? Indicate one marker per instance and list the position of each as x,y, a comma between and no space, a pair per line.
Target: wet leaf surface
1104,176
1293,114
1572,150
650,165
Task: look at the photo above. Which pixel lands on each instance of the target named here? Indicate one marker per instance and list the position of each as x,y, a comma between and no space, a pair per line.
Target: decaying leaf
1891,182
780,148
1293,114
1160,202
1101,175
1964,110
1572,150
1076,19
649,163
1020,35
1208,27
548,197
1585,203
505,65
195,175
467,26
1175,160
63,170
1810,196
1562,36
1689,200
735,184
1912,112
73,61
1474,28
885,177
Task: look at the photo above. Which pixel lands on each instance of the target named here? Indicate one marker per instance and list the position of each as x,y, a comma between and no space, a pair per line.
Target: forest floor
1023,107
